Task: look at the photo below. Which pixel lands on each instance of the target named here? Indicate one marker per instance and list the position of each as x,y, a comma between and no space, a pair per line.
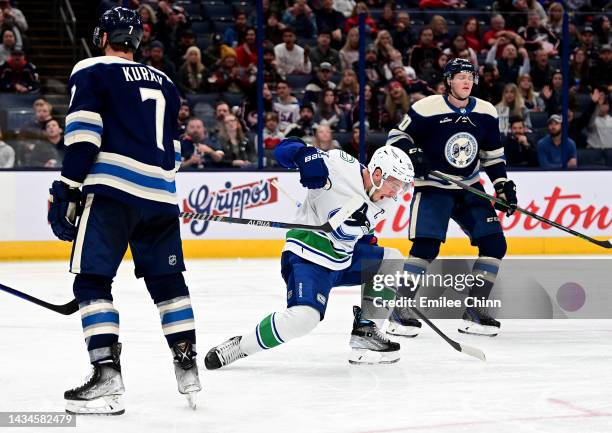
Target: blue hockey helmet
123,27
456,66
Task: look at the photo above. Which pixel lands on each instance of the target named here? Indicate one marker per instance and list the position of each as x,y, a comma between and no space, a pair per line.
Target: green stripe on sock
267,334
387,293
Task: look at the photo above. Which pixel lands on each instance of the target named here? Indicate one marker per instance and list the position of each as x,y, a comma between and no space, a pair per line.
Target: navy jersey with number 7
122,133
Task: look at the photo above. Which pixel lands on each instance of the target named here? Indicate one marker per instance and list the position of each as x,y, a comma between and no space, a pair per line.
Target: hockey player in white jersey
313,263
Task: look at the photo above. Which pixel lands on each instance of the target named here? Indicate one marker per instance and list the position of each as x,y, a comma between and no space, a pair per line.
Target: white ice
540,376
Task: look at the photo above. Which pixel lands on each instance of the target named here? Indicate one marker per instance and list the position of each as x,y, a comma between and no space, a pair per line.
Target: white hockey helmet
392,162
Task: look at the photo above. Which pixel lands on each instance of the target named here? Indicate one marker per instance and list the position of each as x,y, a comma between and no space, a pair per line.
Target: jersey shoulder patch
341,154
485,107
431,106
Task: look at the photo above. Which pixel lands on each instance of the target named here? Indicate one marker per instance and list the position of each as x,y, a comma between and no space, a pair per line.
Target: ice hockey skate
224,354
369,345
477,321
101,393
402,325
186,370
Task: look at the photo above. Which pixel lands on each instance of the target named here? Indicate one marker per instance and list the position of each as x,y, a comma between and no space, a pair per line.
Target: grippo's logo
461,149
229,201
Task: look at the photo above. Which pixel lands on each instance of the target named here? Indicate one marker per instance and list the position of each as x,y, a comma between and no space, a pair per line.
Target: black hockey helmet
456,66
123,27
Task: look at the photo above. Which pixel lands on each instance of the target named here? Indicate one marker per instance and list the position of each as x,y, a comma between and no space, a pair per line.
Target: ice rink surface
540,376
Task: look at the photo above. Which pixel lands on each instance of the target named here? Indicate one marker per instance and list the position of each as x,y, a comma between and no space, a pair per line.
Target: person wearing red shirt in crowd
471,33
441,4
425,53
499,32
246,53
353,20
18,75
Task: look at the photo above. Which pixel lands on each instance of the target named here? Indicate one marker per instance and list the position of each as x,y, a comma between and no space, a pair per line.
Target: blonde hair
194,49
391,105
437,19
347,44
151,12
519,103
530,96
354,88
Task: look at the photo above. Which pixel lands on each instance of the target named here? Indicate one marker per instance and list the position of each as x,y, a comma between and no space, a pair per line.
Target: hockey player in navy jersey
118,175
457,135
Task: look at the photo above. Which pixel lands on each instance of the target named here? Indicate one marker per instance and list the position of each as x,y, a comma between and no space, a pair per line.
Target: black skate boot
477,321
101,393
186,370
369,345
224,354
402,325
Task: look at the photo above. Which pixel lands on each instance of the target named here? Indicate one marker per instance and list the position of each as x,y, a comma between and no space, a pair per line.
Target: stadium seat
343,137
539,119
591,158
608,157
220,26
298,81
13,119
16,100
209,98
233,99
193,10
377,139
219,9
200,27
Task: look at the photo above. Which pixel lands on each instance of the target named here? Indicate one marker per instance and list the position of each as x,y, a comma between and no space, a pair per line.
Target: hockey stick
463,348
332,224
603,244
66,309
277,185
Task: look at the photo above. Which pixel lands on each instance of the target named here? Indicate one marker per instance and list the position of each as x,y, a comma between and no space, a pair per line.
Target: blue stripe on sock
413,268
258,339
177,316
108,316
486,267
275,330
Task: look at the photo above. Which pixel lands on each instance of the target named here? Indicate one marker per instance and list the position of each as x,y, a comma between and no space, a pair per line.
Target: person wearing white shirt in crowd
599,131
291,58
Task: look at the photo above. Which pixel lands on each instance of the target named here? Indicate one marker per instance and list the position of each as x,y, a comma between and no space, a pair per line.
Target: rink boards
580,200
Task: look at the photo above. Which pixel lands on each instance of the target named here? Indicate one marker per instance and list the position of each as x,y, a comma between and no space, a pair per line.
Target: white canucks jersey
335,250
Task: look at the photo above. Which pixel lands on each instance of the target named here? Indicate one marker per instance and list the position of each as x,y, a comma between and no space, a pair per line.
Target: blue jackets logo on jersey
461,149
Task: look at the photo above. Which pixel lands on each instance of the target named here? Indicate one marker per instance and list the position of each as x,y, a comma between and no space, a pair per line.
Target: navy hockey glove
420,161
506,190
313,171
65,205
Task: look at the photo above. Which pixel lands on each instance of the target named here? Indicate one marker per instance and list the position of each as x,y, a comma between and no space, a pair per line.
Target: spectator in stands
532,100
42,114
550,147
172,22
541,71
535,6
555,18
229,76
272,135
197,151
372,109
324,138
434,74
13,15
301,18
510,66
397,103
601,26
424,55
402,34
246,53
158,60
7,154
321,81
54,135
235,35
148,16
239,151
602,72
500,36
579,71
471,32
36,154
344,6
388,18
305,126
328,112
515,10
9,44
440,31
519,145
348,91
18,75
249,110
384,47
286,105
457,45
552,93
192,75
539,37
222,109
211,56
489,88
291,58
10,24
588,44
373,71
331,21
352,146
441,4
511,105
271,74
324,53
353,21
143,52
183,116
415,88
349,53
274,30
599,131
186,39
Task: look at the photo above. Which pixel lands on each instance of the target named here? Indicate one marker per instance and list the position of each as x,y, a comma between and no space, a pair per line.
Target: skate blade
403,331
192,399
472,328
106,405
371,357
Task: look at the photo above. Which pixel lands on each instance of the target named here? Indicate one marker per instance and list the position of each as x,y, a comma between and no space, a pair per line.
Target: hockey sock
374,291
485,271
414,270
171,295
100,322
278,328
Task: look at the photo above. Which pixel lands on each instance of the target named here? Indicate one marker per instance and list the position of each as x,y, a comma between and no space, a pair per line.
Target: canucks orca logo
357,219
461,149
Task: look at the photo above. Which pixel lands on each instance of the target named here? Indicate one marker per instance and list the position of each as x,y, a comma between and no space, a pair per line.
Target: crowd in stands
311,87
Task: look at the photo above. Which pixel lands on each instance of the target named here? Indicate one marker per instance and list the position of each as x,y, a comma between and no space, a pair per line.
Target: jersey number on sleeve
160,108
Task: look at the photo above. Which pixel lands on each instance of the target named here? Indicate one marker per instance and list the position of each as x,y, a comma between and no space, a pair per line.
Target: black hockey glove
506,190
420,161
65,205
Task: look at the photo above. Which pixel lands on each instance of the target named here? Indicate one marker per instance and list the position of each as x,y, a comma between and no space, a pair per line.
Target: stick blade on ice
472,351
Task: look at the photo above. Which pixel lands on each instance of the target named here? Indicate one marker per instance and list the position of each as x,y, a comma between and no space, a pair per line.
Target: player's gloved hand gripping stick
508,205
